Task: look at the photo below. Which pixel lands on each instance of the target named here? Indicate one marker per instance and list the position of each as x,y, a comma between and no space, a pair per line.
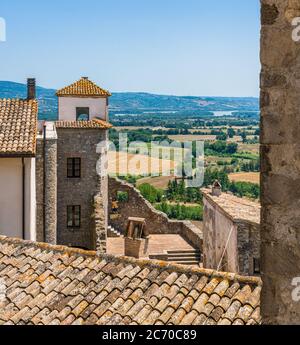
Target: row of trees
241,189
179,120
181,212
220,148
178,192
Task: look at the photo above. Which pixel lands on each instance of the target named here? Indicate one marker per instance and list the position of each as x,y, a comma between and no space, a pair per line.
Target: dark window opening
73,216
82,114
256,266
74,167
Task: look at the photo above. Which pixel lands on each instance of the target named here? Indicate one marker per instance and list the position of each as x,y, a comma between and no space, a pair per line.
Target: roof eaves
154,264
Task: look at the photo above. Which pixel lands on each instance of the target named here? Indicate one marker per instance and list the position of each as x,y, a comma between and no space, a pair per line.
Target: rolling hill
131,102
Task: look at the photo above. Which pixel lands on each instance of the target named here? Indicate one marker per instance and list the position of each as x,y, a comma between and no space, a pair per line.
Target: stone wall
157,222
280,154
230,244
219,231
100,234
81,143
46,195
248,244
39,171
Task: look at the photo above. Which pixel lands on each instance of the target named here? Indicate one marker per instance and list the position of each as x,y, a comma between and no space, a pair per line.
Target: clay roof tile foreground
43,284
18,127
83,88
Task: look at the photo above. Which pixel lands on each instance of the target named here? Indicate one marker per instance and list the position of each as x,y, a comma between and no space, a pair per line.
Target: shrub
122,196
181,212
150,193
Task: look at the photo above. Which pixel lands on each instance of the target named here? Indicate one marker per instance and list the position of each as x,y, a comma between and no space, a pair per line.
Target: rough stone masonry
280,151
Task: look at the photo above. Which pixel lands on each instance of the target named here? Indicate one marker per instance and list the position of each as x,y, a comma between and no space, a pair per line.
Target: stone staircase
112,232
185,257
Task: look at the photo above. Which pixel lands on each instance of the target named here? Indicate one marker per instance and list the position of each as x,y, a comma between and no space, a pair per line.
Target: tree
244,137
231,132
222,137
232,148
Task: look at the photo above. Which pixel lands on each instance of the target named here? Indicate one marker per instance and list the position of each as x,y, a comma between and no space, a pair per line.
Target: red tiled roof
92,124
83,88
55,285
18,127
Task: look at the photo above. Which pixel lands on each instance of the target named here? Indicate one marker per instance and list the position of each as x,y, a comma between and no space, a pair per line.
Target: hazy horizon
139,92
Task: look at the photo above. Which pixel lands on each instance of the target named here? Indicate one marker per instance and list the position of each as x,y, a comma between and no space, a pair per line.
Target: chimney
31,88
216,188
136,238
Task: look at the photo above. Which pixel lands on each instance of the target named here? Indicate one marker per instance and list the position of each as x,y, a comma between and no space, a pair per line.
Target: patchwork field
160,182
253,177
121,163
252,148
184,138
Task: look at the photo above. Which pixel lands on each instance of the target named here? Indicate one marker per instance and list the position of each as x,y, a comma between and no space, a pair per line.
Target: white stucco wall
11,197
218,232
67,107
30,199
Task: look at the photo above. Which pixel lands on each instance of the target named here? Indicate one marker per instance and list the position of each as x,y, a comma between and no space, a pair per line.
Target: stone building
64,188
231,233
71,168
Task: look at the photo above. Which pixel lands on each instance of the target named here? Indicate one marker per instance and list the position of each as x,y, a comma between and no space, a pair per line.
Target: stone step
185,258
184,254
180,251
110,228
187,263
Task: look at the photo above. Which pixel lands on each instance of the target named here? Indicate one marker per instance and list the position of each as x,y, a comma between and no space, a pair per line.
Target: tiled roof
95,123
236,208
57,285
18,127
83,88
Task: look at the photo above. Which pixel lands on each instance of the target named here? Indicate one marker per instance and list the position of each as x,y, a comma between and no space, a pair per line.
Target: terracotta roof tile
91,124
83,88
60,285
18,127
236,208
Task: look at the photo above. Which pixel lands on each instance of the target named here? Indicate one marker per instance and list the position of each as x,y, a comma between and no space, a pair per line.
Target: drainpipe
23,199
44,182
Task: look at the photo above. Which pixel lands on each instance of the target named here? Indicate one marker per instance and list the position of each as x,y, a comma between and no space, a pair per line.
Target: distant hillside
138,102
46,97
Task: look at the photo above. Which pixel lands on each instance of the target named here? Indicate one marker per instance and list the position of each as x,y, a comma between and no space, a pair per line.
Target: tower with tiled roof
79,187
82,100
81,191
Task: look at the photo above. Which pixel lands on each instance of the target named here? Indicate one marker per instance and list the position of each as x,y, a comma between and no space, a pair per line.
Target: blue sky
190,47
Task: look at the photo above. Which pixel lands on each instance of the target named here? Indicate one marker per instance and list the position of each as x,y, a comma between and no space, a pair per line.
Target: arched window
82,114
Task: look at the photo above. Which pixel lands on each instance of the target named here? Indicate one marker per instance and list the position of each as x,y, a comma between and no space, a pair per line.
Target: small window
74,167
256,266
82,114
74,216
